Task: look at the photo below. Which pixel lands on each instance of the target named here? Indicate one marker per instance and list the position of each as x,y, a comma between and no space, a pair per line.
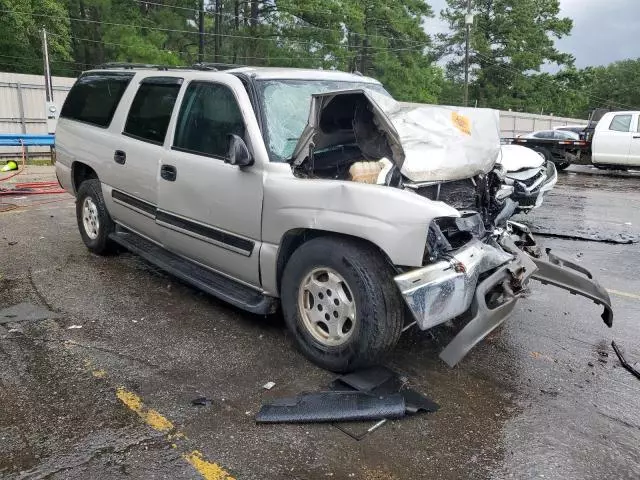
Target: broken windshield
285,106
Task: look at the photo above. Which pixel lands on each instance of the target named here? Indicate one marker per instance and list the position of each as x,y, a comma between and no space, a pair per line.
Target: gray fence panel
22,106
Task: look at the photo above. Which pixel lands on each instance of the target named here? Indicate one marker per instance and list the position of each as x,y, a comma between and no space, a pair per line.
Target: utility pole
51,110
48,85
201,32
468,21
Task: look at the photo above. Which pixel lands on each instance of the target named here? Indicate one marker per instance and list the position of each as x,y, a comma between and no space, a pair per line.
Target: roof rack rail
206,66
132,66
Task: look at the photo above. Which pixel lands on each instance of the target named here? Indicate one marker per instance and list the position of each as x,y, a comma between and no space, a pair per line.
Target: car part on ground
374,393
623,361
332,406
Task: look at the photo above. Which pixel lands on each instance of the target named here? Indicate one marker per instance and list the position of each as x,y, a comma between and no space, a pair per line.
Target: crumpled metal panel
444,290
429,143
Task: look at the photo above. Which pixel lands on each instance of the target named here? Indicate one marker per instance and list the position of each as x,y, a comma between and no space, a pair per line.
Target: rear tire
94,222
331,331
562,165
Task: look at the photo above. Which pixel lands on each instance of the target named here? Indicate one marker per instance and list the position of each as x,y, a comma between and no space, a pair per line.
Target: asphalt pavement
104,390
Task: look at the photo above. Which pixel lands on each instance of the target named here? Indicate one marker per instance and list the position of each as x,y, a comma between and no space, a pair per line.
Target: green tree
616,86
509,39
20,40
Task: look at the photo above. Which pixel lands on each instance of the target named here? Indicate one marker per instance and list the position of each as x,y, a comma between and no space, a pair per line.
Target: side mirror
237,152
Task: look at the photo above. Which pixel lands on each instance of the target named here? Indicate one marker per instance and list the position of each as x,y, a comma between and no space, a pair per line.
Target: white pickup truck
611,140
616,140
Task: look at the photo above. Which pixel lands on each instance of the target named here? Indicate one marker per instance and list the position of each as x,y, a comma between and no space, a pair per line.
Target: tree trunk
236,24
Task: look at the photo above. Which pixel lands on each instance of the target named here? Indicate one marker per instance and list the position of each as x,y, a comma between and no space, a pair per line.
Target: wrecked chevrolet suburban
310,190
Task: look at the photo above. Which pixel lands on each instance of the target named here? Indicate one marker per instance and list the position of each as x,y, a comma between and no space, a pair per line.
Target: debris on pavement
22,312
375,393
623,361
201,402
332,406
269,385
74,327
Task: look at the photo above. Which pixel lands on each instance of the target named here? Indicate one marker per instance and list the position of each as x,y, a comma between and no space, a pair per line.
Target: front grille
531,180
460,194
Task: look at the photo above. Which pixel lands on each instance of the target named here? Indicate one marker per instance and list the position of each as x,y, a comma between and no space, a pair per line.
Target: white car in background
527,176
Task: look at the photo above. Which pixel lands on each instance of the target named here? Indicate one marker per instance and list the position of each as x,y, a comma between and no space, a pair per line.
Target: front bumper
447,289
531,196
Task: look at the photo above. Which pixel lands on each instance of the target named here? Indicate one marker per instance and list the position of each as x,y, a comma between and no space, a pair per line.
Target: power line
193,32
194,54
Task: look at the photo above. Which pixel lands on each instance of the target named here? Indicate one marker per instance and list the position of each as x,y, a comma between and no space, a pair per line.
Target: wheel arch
79,173
296,237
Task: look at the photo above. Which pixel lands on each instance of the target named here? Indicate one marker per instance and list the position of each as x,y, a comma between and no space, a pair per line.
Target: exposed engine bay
351,141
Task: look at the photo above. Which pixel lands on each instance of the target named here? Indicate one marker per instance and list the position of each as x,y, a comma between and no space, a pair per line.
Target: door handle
119,157
168,172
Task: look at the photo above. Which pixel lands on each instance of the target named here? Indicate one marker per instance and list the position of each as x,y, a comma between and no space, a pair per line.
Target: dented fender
394,220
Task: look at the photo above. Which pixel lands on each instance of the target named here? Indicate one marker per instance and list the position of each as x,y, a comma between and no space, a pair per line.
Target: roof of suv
301,73
271,73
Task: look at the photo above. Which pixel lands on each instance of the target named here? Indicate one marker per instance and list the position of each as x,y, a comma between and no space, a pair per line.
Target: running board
213,283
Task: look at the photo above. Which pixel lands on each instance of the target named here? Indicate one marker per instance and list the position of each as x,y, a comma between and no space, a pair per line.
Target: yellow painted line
208,470
148,415
624,294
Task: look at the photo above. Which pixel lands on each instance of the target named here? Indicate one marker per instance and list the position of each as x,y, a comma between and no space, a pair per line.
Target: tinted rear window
95,96
151,108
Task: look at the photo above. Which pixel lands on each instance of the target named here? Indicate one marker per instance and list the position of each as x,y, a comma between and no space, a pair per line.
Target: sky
604,31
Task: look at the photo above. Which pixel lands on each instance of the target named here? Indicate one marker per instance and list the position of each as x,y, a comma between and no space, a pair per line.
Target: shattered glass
285,105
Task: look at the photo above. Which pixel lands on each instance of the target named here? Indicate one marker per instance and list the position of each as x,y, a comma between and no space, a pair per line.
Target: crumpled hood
427,143
515,158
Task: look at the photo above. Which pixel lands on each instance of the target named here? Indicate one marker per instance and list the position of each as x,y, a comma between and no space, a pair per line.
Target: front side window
620,123
208,114
95,96
151,109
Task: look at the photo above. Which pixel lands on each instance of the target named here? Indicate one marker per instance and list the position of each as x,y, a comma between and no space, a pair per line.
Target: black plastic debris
332,406
624,362
368,379
375,393
416,402
201,402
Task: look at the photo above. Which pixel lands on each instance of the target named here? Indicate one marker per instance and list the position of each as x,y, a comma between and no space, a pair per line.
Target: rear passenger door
210,211
136,155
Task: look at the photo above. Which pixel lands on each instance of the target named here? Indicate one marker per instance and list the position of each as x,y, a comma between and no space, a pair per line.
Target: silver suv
310,190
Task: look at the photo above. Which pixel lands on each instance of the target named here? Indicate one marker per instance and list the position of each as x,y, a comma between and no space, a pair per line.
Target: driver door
210,211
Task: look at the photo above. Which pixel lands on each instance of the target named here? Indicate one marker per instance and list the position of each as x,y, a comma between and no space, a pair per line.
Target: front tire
341,304
94,222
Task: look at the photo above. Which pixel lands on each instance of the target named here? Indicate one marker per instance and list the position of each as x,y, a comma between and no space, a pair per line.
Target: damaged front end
475,264
484,279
